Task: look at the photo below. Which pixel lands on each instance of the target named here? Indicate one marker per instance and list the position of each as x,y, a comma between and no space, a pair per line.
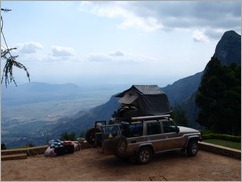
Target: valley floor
89,164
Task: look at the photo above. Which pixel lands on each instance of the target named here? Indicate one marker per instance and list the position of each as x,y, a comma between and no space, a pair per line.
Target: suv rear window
110,131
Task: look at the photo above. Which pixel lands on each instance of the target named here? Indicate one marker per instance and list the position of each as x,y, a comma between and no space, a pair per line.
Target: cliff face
228,49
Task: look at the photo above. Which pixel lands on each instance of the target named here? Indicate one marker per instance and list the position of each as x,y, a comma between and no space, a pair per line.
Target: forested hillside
219,98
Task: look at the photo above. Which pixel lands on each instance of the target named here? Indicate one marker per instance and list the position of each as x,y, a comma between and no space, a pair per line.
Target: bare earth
89,164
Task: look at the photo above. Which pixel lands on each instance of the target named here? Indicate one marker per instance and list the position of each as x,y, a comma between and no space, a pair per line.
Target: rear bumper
108,147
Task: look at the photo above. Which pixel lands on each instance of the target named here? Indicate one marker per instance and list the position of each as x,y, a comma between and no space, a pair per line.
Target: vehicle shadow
117,162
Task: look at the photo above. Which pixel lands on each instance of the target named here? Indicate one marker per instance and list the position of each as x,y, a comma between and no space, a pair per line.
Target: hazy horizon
116,42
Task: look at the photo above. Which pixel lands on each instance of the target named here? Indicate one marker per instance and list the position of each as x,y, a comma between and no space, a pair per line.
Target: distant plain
30,109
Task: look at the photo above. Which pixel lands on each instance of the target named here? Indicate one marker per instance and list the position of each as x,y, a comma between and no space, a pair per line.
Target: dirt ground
88,164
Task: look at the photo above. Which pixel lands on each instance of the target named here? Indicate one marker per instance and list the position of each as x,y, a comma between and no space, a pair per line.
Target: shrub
209,135
28,145
3,146
68,136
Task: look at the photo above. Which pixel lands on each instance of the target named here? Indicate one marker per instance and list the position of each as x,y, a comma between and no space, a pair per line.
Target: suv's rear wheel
121,145
192,148
144,155
90,135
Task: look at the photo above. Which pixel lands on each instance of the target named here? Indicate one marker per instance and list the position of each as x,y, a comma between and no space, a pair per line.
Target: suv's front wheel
192,148
144,155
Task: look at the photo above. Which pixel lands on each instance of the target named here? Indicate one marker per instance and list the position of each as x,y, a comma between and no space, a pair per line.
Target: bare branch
6,51
5,9
8,70
10,59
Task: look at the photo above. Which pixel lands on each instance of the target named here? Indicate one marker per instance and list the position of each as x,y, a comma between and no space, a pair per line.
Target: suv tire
90,135
192,148
144,155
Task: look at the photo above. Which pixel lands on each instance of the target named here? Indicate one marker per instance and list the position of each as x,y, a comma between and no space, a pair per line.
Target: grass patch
230,144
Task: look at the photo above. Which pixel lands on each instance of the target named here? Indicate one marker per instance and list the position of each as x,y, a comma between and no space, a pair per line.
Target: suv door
153,134
172,139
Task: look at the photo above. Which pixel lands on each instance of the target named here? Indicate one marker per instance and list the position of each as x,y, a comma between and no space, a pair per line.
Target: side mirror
177,130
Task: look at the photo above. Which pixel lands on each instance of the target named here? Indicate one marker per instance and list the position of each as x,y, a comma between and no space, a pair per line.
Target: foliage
225,143
179,115
221,137
28,145
68,136
219,98
6,54
3,146
82,134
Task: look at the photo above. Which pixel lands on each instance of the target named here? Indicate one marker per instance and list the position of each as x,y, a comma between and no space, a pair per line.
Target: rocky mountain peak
228,49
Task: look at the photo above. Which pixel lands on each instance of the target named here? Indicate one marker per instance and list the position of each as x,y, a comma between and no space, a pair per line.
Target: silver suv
142,137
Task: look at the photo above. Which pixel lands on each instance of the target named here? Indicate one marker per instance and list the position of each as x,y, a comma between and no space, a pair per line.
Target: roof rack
150,117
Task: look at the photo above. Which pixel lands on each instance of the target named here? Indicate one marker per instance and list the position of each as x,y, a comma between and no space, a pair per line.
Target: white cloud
33,51
99,58
215,33
120,10
108,9
148,24
117,53
29,47
199,36
119,57
204,35
60,52
167,16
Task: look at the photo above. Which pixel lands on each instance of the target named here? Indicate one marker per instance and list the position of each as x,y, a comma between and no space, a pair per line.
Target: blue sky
127,42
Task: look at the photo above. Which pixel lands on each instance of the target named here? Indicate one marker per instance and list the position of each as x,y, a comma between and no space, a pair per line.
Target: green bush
68,136
3,146
209,135
28,145
225,143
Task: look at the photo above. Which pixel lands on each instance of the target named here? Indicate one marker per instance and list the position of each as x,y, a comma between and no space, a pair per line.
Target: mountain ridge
228,49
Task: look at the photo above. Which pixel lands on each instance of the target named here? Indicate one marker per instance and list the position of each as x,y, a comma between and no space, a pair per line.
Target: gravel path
88,164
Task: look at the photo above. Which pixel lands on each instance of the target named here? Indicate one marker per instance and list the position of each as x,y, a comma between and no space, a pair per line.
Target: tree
179,115
6,54
68,136
3,146
82,134
219,98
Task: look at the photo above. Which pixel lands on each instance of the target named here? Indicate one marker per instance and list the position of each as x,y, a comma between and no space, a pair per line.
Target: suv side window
169,126
153,128
132,130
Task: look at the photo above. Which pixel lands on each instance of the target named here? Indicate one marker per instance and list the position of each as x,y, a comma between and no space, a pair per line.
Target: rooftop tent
149,99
